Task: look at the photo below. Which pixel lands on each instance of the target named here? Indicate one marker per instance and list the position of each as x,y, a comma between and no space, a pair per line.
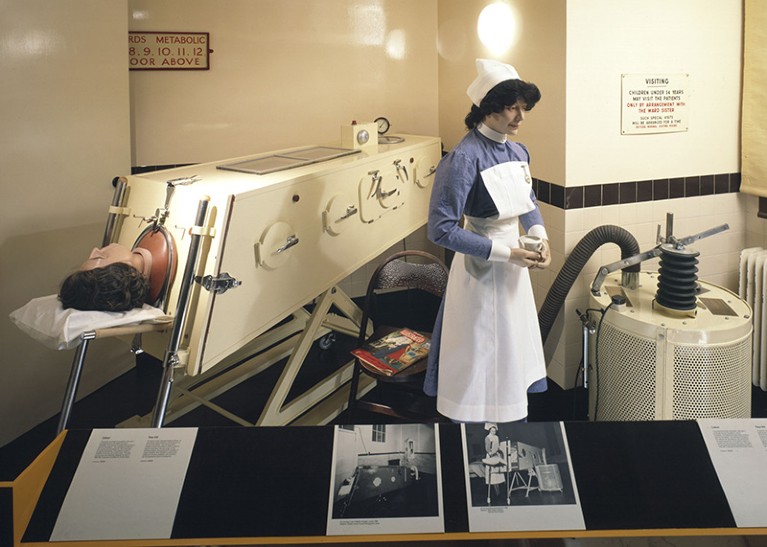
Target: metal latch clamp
218,285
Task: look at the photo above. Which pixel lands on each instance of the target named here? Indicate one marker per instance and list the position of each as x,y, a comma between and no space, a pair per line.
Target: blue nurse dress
486,343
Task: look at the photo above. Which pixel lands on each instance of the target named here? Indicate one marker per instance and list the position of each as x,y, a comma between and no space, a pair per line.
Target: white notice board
127,485
654,103
738,450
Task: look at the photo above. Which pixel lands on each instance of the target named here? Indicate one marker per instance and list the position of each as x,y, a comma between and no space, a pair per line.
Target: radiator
751,287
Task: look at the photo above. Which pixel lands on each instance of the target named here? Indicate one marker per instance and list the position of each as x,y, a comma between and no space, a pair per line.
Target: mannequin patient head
113,278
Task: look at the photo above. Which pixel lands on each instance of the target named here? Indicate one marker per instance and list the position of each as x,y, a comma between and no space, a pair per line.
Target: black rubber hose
575,263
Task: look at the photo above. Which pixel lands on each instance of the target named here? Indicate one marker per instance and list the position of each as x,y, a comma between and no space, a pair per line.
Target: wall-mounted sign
654,103
168,50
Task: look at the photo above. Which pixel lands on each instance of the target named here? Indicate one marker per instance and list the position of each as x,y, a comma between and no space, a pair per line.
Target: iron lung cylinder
649,362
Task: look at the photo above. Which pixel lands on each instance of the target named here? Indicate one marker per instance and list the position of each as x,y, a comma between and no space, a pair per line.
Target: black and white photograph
519,476
386,479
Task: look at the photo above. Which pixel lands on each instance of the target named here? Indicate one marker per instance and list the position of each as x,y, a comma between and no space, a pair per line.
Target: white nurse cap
489,74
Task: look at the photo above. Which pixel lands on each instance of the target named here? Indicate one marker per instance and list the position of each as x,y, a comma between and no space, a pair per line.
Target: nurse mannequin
113,278
487,344
492,446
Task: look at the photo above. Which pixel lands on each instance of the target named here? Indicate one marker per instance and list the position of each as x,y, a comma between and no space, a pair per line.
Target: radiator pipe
575,263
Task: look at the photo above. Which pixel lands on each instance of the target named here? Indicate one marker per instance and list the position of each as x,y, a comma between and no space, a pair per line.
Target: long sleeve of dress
453,181
455,177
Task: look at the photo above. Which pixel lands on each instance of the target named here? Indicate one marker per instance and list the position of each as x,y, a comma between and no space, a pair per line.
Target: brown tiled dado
614,193
676,188
644,190
610,194
592,195
574,198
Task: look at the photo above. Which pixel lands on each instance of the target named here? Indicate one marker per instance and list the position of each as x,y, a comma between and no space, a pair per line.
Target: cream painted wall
538,54
65,134
576,52
701,38
283,74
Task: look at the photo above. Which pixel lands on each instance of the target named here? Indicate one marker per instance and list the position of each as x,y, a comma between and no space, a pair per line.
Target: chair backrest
395,272
428,274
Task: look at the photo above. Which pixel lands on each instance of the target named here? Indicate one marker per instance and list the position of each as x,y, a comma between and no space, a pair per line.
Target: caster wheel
327,341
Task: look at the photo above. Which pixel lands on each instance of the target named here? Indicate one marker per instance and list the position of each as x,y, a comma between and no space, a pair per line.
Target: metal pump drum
682,351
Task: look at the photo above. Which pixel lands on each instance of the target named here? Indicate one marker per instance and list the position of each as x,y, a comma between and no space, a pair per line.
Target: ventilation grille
631,393
708,381
701,382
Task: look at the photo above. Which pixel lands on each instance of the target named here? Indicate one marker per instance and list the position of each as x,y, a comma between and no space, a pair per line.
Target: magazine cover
395,351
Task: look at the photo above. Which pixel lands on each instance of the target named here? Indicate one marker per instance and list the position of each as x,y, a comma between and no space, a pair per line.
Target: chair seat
425,274
412,373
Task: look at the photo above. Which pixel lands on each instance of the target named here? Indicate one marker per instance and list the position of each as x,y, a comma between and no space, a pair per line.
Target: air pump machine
665,346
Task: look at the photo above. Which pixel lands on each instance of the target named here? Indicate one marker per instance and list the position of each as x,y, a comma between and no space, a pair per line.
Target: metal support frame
522,485
80,354
276,411
290,340
74,380
118,200
171,354
171,360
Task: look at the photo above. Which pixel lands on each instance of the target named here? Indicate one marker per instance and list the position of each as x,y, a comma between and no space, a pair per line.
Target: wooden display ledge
269,485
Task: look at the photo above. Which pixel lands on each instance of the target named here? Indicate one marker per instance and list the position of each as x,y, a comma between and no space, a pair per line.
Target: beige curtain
754,127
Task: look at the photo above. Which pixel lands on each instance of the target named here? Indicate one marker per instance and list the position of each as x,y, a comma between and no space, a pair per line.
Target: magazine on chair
394,352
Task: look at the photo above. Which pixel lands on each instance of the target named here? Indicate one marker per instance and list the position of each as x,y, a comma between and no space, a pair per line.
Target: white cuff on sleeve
538,230
499,252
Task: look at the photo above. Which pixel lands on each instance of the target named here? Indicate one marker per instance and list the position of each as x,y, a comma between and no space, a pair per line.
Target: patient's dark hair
503,95
116,287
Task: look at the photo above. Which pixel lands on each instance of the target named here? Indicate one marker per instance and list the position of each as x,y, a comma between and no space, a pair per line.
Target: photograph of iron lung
385,471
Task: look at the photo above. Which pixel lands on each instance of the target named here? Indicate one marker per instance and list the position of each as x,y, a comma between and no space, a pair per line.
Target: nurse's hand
545,258
525,258
532,259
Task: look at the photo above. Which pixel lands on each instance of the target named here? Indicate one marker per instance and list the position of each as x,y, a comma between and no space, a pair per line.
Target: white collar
492,134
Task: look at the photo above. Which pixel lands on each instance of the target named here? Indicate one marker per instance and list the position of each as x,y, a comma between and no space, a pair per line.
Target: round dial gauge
383,125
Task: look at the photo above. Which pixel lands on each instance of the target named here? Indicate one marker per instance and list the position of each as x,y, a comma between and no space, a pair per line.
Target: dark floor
134,394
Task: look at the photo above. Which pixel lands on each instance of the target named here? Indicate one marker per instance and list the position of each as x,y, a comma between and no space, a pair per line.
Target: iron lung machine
278,231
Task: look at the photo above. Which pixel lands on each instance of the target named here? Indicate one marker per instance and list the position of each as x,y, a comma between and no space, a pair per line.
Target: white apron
491,349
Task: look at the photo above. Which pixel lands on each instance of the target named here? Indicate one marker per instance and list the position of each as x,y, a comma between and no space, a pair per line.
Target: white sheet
45,320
